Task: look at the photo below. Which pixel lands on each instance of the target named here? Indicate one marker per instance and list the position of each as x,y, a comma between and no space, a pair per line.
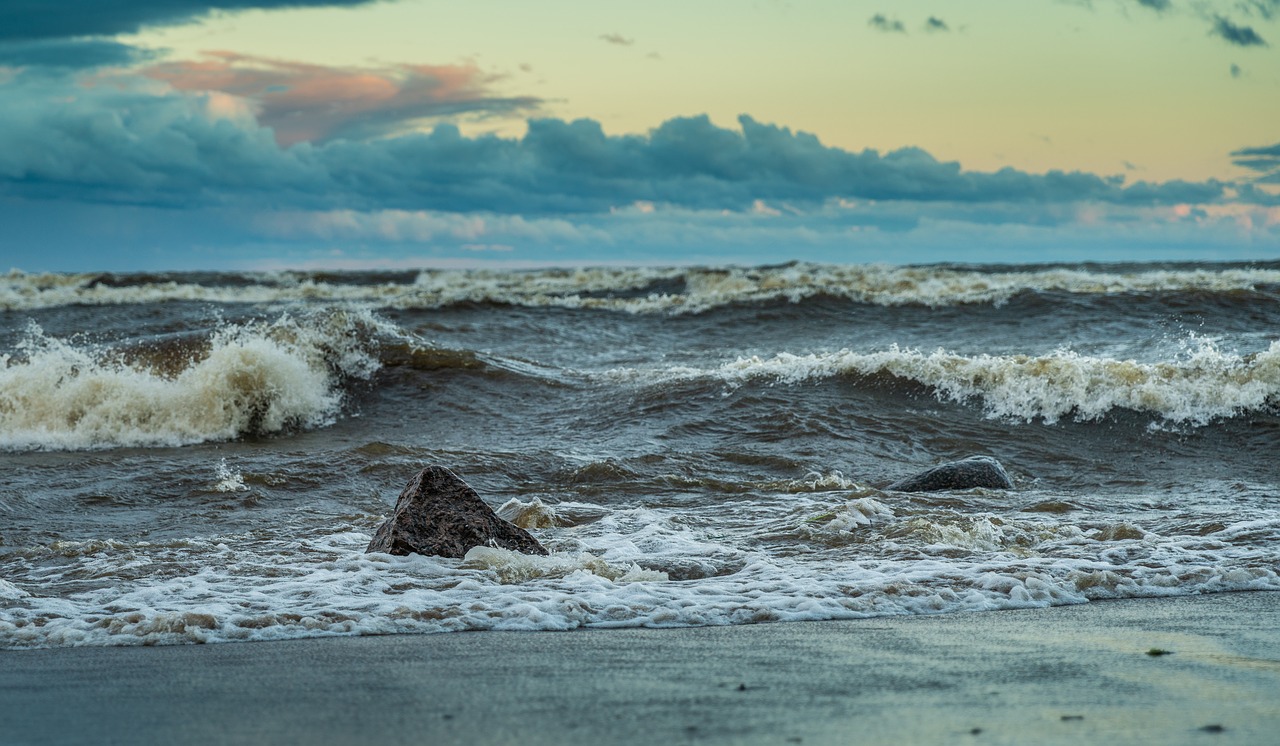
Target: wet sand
1076,675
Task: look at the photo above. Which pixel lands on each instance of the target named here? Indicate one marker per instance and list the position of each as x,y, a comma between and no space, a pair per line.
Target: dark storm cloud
147,144
1267,9
1265,160
690,162
1156,5
120,141
51,19
880,23
70,53
936,24
1243,36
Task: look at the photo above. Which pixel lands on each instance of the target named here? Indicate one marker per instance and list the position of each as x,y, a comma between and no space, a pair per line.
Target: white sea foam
619,288
513,567
861,512
1202,385
229,480
929,286
533,514
11,592
252,378
820,482
610,573
838,526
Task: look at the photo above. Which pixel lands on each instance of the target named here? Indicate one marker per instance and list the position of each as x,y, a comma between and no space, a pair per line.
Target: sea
203,457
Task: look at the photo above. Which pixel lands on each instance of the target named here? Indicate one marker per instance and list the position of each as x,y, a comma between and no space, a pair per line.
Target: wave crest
1205,385
634,290
256,378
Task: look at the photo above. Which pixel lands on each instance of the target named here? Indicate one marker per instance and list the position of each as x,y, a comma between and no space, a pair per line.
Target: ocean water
203,457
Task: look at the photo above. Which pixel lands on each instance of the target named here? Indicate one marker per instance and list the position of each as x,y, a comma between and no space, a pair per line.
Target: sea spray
229,480
255,378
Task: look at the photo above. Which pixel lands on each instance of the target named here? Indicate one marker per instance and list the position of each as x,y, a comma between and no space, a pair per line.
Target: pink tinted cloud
307,102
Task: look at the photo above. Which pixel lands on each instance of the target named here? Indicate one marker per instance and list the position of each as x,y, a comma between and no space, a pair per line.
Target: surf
252,378
635,290
1205,385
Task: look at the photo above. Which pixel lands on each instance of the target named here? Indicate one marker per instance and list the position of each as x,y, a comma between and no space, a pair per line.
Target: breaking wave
1205,385
255,378
634,290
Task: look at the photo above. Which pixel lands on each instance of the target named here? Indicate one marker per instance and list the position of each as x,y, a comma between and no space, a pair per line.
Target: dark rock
975,471
439,514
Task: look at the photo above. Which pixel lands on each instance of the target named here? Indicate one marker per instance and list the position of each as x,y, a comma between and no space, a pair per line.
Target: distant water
202,457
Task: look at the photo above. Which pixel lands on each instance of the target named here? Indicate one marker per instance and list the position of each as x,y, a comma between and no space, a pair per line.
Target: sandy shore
1068,675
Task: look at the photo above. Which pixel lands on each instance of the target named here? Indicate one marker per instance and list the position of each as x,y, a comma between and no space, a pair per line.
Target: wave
633,290
20,291
255,378
1204,385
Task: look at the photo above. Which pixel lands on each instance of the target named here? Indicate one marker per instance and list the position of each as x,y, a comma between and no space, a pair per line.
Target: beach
708,455
383,372
1078,674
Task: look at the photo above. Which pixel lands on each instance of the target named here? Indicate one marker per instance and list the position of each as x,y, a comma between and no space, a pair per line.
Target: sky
269,134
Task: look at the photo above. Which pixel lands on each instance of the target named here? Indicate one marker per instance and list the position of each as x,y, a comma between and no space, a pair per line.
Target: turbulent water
202,457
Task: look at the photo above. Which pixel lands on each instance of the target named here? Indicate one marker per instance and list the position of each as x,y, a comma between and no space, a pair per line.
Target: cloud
880,23
1157,5
1267,9
71,53
78,18
308,103
131,140
1236,71
618,39
1242,36
1265,160
936,24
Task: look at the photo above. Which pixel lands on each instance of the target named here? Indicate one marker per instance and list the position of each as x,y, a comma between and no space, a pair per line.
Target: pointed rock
975,471
439,514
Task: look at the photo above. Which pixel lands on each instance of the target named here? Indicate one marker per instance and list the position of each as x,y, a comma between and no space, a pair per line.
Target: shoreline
1067,674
